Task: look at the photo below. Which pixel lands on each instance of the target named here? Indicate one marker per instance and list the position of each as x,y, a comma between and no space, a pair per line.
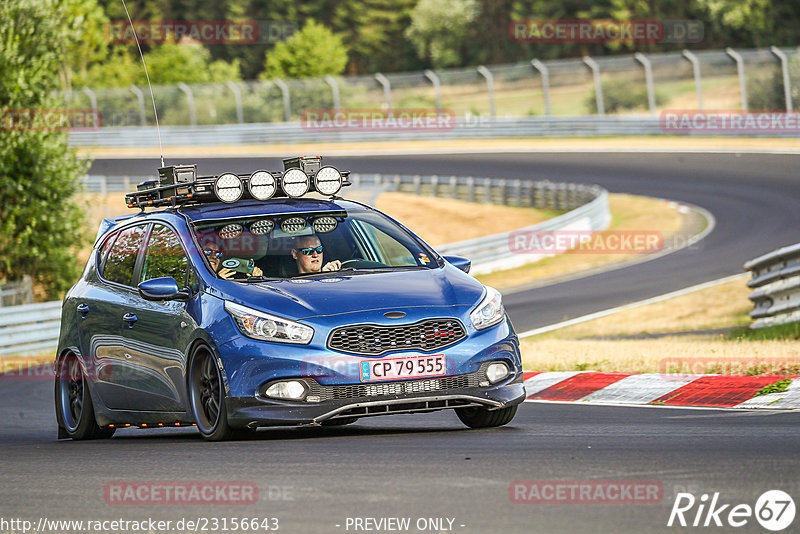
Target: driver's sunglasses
209,252
308,251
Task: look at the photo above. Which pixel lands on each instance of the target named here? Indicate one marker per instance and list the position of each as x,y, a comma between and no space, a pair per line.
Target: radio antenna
153,98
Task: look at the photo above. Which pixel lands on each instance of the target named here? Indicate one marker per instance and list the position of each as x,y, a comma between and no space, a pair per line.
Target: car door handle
130,319
83,309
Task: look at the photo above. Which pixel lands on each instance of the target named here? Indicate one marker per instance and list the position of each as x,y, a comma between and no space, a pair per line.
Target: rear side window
121,258
165,256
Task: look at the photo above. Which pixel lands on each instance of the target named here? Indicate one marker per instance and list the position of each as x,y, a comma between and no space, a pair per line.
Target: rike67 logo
774,510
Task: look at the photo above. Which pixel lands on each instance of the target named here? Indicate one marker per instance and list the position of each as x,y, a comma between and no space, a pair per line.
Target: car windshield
308,244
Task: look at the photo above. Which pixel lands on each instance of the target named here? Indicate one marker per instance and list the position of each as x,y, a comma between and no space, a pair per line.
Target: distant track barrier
776,280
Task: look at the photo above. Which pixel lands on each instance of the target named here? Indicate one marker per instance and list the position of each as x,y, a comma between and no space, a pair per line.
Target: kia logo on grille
394,315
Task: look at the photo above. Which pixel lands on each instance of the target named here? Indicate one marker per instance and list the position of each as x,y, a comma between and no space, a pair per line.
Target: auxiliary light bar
179,184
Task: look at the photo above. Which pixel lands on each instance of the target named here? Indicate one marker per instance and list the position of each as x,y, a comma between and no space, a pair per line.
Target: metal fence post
189,102
471,189
435,185
387,89
437,88
648,77
454,187
518,192
330,80
488,183
237,96
397,182
545,74
598,86
740,69
417,185
787,84
287,105
140,98
92,97
487,74
697,78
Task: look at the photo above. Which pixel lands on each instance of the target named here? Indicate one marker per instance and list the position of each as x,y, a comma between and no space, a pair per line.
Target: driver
307,252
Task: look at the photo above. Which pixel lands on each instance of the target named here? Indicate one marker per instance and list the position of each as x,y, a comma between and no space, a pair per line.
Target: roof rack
179,184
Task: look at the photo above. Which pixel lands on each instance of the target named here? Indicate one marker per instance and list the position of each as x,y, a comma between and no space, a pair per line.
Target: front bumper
418,396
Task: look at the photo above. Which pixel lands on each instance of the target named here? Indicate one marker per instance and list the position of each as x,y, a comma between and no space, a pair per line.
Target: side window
165,256
121,258
392,252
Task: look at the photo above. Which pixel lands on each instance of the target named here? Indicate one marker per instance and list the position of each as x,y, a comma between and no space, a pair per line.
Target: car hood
344,293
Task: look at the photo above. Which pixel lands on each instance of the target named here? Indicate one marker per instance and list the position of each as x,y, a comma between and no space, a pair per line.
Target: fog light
289,389
496,372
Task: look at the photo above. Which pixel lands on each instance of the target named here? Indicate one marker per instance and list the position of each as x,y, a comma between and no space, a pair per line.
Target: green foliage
765,91
620,94
311,52
778,387
40,224
438,29
783,332
173,63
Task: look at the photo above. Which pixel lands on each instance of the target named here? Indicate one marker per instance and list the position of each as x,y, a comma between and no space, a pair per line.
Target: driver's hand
334,265
227,274
257,272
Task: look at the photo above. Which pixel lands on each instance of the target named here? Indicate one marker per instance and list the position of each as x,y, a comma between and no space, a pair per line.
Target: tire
339,422
484,418
207,396
74,408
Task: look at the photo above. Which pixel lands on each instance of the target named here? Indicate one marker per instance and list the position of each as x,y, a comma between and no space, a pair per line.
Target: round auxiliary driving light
295,183
328,181
262,185
323,225
230,231
262,227
289,389
293,225
228,187
496,372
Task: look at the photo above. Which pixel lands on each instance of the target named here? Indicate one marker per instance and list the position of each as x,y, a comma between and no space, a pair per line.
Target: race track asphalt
416,466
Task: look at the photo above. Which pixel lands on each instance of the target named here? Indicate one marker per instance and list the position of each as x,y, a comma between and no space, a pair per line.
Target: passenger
215,255
307,252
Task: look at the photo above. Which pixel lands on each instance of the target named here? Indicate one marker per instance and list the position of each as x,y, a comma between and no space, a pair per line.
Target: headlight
260,325
288,389
228,187
328,181
490,311
261,185
295,183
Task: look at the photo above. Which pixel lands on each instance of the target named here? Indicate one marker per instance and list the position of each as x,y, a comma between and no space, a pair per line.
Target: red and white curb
710,391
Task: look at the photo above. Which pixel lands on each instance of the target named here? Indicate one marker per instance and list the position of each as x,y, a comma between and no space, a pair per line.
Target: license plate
401,368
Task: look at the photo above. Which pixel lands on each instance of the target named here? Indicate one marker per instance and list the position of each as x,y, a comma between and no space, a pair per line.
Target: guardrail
477,128
34,329
17,293
776,280
29,329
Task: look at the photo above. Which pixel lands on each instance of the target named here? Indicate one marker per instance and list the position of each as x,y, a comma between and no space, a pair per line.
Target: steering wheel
359,263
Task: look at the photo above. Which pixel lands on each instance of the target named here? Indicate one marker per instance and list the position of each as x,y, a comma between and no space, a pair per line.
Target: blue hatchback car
239,303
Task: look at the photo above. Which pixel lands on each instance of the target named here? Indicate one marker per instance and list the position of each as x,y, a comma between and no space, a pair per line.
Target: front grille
383,389
374,340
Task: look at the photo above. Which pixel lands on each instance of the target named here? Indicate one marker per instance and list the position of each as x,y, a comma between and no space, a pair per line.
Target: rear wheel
207,396
74,403
475,417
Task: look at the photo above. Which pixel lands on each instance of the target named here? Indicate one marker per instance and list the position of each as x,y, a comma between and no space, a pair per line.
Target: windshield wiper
251,279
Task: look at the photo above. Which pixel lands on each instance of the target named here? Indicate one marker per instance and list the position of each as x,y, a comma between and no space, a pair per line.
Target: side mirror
161,289
460,262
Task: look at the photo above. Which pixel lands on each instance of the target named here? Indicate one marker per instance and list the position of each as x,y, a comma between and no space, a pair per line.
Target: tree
41,226
438,29
311,52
